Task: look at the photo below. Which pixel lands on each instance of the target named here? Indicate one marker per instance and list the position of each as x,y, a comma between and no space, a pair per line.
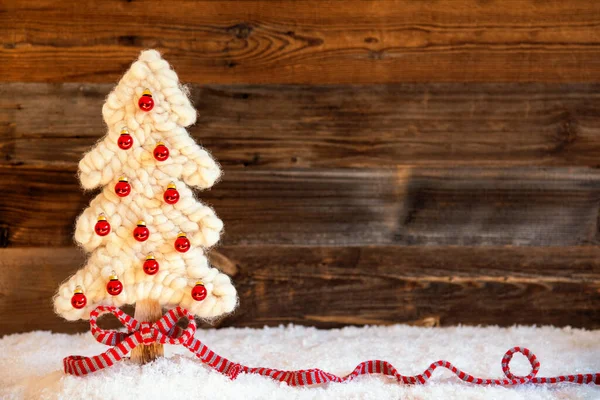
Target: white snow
31,364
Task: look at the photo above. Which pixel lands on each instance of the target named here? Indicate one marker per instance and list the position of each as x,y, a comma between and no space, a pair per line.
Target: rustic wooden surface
474,207
434,163
281,126
314,41
336,286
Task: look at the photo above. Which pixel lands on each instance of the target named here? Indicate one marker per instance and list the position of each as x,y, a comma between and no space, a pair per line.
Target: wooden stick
147,311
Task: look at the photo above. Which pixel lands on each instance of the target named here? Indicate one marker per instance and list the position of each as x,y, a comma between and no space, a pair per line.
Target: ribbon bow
162,331
165,331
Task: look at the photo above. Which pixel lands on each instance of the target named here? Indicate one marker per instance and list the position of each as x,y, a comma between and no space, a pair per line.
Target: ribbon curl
165,331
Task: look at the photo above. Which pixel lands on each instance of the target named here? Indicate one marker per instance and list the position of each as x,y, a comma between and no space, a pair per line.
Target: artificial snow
31,364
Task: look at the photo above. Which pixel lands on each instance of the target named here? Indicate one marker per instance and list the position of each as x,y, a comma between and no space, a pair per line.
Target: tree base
147,311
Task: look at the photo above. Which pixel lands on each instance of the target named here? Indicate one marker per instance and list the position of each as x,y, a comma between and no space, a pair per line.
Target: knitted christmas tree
145,231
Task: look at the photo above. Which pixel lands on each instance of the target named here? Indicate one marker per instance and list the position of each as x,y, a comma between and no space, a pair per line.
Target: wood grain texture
313,41
460,206
335,286
343,126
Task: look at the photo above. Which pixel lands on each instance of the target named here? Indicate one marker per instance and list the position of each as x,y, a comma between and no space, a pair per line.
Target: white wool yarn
188,164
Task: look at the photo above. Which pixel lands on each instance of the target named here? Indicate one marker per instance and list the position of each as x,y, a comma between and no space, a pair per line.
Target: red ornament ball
125,140
141,233
199,292
114,287
102,227
122,188
182,243
151,265
78,300
161,152
171,195
146,102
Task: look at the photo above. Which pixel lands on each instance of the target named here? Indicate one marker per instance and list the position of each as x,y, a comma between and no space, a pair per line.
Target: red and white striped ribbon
165,331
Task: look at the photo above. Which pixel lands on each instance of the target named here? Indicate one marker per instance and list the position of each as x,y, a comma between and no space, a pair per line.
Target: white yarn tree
145,164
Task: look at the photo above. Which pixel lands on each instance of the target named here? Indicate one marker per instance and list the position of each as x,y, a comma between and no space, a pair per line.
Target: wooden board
373,191
461,206
335,286
250,127
313,41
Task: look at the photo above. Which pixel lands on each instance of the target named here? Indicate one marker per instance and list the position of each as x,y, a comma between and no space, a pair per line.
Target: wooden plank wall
385,161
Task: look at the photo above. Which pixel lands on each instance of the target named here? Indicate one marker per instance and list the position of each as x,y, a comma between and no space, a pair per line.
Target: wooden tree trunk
147,311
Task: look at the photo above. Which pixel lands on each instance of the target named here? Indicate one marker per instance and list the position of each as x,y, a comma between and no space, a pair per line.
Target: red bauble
141,233
122,188
171,195
146,102
199,292
151,265
78,300
102,227
114,287
125,140
182,243
161,152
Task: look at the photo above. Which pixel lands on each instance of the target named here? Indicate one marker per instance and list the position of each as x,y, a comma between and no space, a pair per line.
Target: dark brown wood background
425,162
